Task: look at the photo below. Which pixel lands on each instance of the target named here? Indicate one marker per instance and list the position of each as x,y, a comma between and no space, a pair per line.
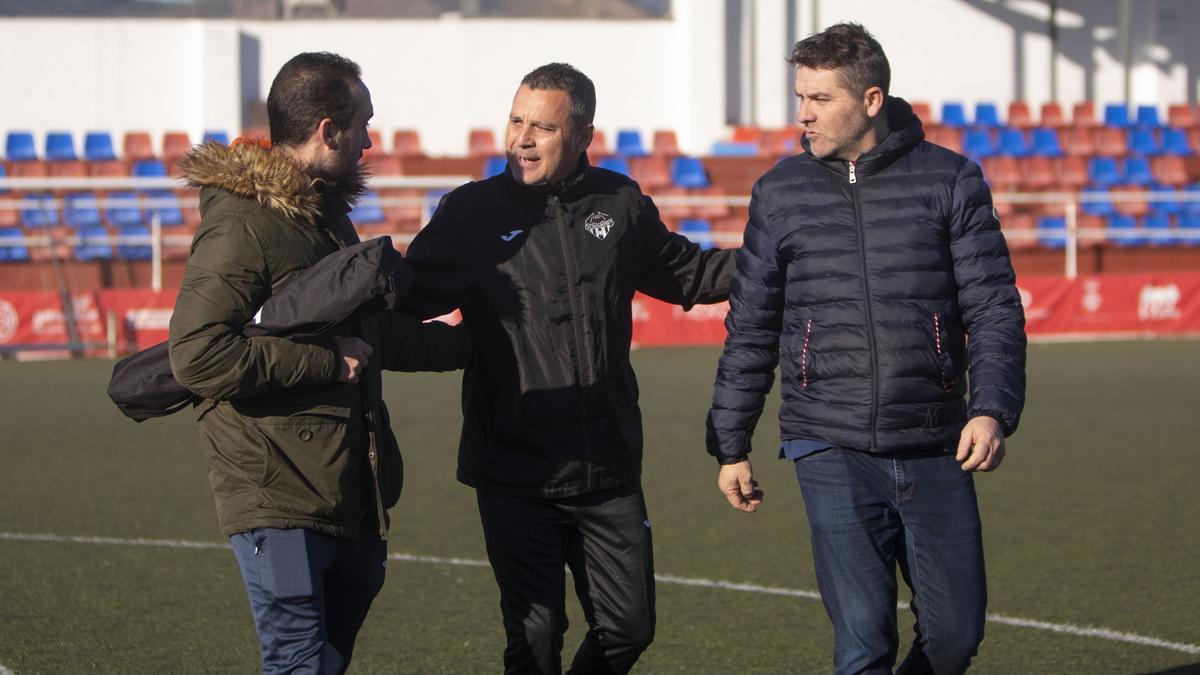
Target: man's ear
328,133
873,99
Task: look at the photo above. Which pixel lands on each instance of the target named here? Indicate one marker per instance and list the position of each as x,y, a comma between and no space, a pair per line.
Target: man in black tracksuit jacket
543,261
874,273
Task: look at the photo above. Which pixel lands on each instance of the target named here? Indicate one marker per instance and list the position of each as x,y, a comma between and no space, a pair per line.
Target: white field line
5,671
1066,628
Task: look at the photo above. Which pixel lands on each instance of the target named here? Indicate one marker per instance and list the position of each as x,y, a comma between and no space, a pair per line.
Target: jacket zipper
580,350
862,250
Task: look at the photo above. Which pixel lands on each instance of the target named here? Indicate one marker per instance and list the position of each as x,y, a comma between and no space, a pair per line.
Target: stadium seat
67,169
406,143
1166,201
1019,116
978,144
713,207
1189,229
666,143
1003,173
1052,116
1037,173
697,230
98,146
1084,115
60,146
149,168
954,114
629,143
113,169
39,211
1044,143
1123,231
1169,170
1116,115
176,144
1013,143
1182,115
733,149
1112,141
384,165
688,172
122,208
3,174
746,134
1130,200
1191,199
1175,142
615,163
1052,231
950,138
599,144
481,143
165,204
137,146
19,147
12,252
93,244
1137,171
494,166
1090,228
403,216
217,136
923,113
1158,230
80,209
781,142
1143,141
651,172
132,251
1096,201
368,210
987,115
1078,141
1147,117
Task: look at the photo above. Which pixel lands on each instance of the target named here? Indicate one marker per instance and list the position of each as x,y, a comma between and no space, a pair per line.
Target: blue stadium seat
1045,143
98,147
954,114
149,168
216,135
19,147
3,191
13,253
1143,142
60,146
1167,207
1052,231
1116,115
1189,229
1100,202
1160,225
81,210
688,172
629,143
368,210
40,212
977,144
93,244
128,251
123,209
166,207
614,163
1104,171
1147,116
494,166
1137,171
728,149
987,115
1123,231
1013,143
1175,142
697,230
1192,206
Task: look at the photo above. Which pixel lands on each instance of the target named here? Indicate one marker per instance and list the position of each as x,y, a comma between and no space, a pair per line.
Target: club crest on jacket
599,224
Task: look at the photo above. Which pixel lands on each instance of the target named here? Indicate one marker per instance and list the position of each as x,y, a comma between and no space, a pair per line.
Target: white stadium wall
445,76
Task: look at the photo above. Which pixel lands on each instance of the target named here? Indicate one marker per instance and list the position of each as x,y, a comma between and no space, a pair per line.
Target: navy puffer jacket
874,286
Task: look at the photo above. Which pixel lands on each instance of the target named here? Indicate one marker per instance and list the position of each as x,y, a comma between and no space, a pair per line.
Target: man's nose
367,142
804,113
525,136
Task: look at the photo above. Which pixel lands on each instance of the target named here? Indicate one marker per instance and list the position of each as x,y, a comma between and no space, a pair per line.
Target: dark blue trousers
309,594
868,513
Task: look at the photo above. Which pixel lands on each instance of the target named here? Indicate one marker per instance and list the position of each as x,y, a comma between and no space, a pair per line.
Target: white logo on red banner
9,321
1158,303
1092,299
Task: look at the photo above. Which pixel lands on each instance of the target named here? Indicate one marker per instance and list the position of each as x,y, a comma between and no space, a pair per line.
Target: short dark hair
850,48
565,77
308,88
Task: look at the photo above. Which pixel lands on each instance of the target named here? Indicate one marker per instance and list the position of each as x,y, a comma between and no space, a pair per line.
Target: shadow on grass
1192,669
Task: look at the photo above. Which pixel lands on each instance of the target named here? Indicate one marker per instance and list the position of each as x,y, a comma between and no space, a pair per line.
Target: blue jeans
309,594
869,512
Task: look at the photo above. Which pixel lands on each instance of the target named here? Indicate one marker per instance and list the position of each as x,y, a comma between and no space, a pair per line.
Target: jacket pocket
310,468
941,345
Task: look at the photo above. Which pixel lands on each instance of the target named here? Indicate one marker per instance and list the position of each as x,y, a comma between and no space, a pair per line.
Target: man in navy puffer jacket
874,273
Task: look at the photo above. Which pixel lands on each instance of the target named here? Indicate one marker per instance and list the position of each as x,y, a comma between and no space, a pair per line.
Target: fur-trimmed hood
269,176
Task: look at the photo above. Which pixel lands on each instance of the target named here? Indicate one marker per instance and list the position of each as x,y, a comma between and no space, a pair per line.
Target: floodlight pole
156,244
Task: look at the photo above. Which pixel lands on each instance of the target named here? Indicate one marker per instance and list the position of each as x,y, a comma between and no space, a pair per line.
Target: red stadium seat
175,145
1015,227
1169,170
599,143
68,169
383,165
1002,173
110,168
1078,141
403,213
665,143
746,134
33,168
950,138
924,113
1038,174
138,146
780,142
1138,208
651,172
1073,171
1052,116
1019,116
1084,115
481,143
671,211
1112,142
406,143
1182,116
714,210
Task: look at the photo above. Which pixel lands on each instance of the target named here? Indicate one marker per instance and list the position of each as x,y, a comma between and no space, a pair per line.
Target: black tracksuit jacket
545,279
